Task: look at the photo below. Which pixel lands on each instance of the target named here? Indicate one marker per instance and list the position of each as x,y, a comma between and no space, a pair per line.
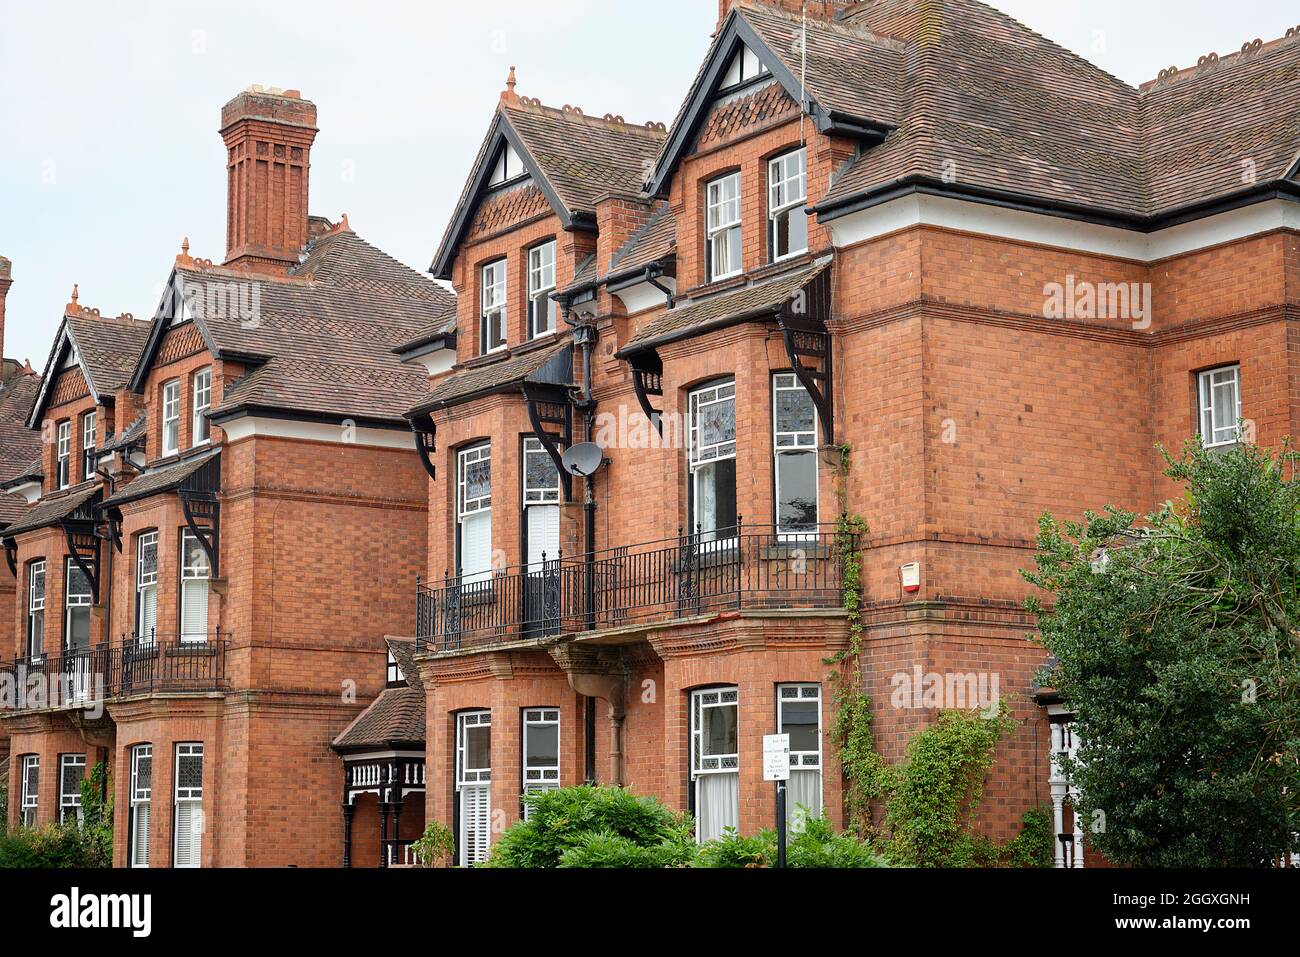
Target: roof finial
185,246
74,293
508,95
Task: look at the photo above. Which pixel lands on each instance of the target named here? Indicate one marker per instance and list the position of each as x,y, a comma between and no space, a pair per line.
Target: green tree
1175,641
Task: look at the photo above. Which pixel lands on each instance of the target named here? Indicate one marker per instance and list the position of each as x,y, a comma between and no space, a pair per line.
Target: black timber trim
62,343
735,31
803,328
648,380
425,431
11,555
83,549
551,405
202,510
829,211
499,131
173,299
113,516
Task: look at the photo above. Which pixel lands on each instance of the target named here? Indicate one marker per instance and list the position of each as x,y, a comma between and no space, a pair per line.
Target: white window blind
715,761
474,784
195,573
474,507
541,503
146,586
189,805
141,798
799,714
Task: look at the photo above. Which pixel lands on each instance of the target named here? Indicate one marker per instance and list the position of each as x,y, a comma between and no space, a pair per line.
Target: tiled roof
109,348
494,376
131,433
53,509
160,480
396,717
722,309
654,241
436,329
19,445
324,338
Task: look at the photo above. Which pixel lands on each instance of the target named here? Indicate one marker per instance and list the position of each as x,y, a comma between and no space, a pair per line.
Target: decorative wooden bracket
648,380
113,517
83,549
803,327
203,518
426,442
548,405
11,555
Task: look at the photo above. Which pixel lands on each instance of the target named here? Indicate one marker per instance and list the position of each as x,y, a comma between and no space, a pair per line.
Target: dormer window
723,227
395,676
492,327
508,167
63,455
745,66
787,193
541,283
171,417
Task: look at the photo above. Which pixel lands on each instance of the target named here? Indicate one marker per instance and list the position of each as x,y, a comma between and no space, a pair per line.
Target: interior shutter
543,533
140,836
194,610
189,833
148,611
475,821
476,546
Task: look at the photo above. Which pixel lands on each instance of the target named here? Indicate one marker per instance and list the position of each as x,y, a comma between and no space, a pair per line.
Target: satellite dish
583,459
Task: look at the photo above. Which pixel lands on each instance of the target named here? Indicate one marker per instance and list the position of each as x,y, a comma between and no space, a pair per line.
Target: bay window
1220,402
188,827
715,761
195,575
541,504
140,800
72,770
474,785
146,586
787,192
171,417
541,283
201,429
88,443
541,759
794,450
474,513
36,610
712,461
31,788
799,714
76,601
492,324
723,227
63,455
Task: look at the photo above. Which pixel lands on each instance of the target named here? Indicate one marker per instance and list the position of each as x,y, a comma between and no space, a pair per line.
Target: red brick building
227,519
906,260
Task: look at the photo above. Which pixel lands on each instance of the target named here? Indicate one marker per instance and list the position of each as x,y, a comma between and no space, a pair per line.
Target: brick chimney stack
268,135
6,280
817,9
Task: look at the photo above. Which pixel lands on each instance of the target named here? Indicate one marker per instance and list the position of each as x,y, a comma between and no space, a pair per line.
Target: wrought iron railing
693,574
137,665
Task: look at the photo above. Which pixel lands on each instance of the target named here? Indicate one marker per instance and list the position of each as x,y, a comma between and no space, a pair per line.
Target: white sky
109,151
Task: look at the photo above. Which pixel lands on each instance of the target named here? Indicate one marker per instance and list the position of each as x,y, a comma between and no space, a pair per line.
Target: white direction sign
776,757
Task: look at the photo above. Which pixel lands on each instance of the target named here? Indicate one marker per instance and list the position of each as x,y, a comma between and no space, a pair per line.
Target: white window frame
541,283
703,765
507,167
724,216
1208,386
36,609
29,801
699,456
75,600
467,777
89,424
171,417
191,575
200,428
395,676
744,66
494,303
187,795
539,494
63,455
146,580
539,777
787,442
804,760
787,194
140,796
467,507
70,802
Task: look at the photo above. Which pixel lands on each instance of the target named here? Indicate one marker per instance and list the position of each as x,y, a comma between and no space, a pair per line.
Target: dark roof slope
396,717
500,376
160,480
109,349
54,508
653,242
19,445
324,336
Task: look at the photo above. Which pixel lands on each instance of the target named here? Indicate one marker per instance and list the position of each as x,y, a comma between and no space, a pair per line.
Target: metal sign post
776,767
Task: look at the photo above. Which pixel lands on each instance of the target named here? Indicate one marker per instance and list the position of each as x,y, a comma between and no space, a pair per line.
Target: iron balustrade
696,573
136,665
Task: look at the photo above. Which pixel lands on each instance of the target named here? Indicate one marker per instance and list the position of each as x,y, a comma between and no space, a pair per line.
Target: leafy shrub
815,846
1033,846
585,819
606,850
436,846
733,850
85,845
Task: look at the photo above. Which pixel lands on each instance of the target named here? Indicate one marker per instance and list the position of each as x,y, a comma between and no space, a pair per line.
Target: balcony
139,665
694,574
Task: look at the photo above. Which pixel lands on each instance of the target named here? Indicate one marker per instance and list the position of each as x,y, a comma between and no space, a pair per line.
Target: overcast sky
109,151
